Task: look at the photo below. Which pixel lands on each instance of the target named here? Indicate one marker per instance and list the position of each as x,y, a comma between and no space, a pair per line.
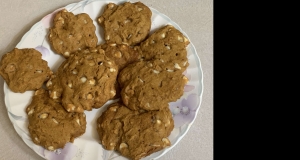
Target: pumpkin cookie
167,44
135,134
50,125
24,69
71,33
84,81
128,23
149,85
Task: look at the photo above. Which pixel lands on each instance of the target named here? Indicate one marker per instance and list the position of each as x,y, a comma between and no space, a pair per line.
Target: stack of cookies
145,72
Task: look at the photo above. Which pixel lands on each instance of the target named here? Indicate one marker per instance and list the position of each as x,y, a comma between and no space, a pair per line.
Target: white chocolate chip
126,21
83,79
100,19
31,111
53,95
37,140
77,120
140,9
66,65
43,116
166,141
125,43
129,36
92,81
158,121
113,93
70,107
67,54
149,64
112,44
118,54
114,109
50,148
123,145
107,37
176,65
112,144
50,35
168,47
54,120
111,5
163,35
180,39
38,71
186,41
170,70
89,96
61,42
112,70
94,50
109,63
85,21
70,85
141,80
155,71
184,63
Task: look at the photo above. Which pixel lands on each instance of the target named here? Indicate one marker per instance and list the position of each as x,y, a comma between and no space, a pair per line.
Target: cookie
50,125
24,69
120,53
149,85
84,81
167,44
135,134
128,23
71,33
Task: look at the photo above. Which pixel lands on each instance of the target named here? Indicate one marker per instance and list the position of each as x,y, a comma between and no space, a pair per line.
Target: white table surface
195,17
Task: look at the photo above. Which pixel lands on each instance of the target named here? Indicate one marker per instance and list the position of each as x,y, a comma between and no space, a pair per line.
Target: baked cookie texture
135,134
24,69
84,81
50,125
128,23
71,33
167,44
149,85
122,55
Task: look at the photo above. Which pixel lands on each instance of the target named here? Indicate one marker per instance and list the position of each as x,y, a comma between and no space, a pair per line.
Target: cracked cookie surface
50,125
84,81
135,134
149,85
24,69
71,33
128,23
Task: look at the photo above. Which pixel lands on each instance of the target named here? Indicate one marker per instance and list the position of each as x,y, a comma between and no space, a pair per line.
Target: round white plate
87,146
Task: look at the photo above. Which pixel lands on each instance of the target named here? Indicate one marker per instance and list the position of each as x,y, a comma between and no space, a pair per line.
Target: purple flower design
187,87
184,111
67,153
45,51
